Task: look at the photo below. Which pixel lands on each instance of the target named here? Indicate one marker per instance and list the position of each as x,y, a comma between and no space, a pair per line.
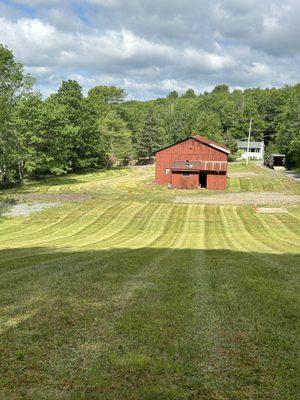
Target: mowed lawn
125,294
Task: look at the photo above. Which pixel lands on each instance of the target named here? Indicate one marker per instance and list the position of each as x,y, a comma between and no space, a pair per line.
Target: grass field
124,294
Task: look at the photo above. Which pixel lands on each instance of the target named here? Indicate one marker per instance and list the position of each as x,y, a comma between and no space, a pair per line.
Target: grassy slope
137,181
130,296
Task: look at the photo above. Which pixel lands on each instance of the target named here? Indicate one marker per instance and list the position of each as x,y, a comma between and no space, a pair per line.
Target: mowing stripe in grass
162,300
66,221
106,218
58,227
118,229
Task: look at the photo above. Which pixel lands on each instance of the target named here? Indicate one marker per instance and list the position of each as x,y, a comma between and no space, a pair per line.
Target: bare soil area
23,210
27,203
56,197
271,210
242,174
291,174
244,198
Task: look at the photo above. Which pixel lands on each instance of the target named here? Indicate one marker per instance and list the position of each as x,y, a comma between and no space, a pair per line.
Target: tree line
69,132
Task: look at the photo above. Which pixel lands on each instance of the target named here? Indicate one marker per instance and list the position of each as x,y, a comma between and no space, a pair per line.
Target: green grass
138,182
128,295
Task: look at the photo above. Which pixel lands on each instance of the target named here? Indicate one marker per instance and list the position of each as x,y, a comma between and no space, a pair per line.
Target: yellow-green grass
140,181
127,295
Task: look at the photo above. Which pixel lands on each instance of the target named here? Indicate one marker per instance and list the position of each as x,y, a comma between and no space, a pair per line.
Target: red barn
191,163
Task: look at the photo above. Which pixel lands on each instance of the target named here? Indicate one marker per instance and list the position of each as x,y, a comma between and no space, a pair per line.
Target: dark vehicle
275,160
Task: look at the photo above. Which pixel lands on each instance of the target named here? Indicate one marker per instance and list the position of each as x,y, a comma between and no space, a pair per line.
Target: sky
151,47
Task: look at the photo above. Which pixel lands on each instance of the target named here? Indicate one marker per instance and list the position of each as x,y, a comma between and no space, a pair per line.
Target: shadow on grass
68,179
148,323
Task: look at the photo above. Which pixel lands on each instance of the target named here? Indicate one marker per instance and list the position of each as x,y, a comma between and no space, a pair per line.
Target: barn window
167,170
185,174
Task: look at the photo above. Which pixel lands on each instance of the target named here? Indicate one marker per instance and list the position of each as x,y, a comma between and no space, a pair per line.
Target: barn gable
199,139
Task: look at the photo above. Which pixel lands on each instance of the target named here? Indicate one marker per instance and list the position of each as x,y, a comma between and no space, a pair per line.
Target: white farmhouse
256,149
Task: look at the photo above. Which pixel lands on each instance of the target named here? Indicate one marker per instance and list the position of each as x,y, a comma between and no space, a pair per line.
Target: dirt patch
55,197
23,210
283,172
269,210
244,198
242,174
293,175
5,204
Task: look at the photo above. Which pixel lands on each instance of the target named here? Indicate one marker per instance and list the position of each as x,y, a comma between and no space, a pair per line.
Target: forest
71,132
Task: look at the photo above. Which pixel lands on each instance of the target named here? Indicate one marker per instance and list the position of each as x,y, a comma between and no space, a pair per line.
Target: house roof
241,144
219,166
201,139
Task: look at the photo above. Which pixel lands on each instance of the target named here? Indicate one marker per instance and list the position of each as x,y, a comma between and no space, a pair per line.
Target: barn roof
211,143
201,139
219,166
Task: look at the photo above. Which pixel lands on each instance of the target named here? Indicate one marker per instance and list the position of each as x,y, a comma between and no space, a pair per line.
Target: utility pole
248,145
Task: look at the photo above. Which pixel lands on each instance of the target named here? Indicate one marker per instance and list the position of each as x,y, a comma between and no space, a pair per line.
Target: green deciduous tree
208,124
26,124
84,134
288,125
221,89
115,139
103,98
189,94
14,84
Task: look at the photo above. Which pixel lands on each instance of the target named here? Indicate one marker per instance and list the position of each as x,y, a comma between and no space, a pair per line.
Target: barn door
203,179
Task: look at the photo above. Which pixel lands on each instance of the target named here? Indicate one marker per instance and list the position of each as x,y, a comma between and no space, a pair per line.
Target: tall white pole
248,144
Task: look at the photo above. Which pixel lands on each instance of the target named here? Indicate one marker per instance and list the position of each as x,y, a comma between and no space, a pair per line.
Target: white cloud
39,71
206,61
38,43
154,46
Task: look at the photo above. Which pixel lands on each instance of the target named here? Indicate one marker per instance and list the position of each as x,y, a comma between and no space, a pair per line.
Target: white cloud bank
153,47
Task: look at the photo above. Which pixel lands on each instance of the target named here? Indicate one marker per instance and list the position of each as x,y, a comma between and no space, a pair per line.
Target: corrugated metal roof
252,145
219,166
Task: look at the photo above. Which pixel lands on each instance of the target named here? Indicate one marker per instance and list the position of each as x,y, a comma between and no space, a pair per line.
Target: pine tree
173,95
152,136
